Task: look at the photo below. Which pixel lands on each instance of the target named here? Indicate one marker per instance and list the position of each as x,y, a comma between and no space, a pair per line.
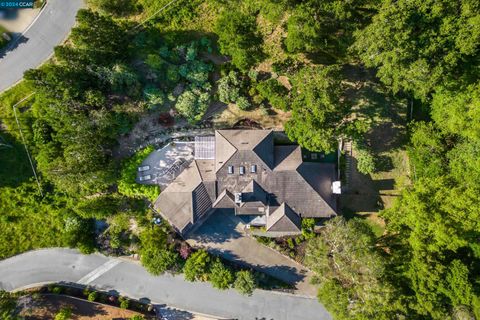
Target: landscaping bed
45,302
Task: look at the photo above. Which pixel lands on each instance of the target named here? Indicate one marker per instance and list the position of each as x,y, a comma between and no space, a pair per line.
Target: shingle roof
224,150
287,157
258,141
284,219
185,200
281,179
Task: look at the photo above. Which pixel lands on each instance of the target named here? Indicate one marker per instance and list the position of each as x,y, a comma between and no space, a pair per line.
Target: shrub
197,266
220,276
365,161
290,243
154,96
124,302
64,314
8,305
245,282
243,103
229,87
155,255
308,226
57,290
92,296
128,173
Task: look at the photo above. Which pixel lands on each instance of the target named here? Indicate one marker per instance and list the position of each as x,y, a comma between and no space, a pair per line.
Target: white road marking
107,266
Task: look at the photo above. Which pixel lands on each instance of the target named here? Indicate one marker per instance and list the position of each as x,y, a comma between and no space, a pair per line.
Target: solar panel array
205,147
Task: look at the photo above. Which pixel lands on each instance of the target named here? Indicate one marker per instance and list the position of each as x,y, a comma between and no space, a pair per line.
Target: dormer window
253,168
242,170
230,169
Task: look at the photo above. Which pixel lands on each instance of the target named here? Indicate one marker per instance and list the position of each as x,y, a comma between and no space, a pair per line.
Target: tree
237,37
275,93
307,30
347,264
197,266
102,39
155,253
456,111
433,225
245,282
319,116
427,151
220,276
441,45
192,104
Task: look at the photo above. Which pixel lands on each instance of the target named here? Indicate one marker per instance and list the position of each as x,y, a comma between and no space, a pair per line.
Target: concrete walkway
36,44
223,235
130,279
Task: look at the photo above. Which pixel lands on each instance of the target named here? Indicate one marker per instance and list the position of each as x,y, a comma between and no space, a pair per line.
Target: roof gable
224,150
284,219
287,157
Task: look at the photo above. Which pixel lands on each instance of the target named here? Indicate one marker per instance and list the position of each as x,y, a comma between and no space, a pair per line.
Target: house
243,173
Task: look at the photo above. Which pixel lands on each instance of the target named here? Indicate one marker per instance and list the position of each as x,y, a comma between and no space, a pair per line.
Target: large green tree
237,37
417,45
351,272
319,115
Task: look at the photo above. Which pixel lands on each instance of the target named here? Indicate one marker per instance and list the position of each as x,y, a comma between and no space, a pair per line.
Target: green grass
14,165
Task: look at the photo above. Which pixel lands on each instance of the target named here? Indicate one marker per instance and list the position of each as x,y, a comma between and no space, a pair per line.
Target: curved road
36,44
130,279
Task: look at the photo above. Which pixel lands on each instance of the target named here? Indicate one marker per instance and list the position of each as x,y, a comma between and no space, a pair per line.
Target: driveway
223,235
36,44
130,279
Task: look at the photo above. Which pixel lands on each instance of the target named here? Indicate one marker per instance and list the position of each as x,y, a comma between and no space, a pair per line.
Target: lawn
387,138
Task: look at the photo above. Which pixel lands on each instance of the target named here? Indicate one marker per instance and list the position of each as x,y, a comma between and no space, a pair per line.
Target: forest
126,59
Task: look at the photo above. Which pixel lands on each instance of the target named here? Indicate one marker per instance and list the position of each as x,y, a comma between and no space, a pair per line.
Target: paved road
130,279
36,44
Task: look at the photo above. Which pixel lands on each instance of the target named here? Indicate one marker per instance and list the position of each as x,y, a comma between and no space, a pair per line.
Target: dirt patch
47,306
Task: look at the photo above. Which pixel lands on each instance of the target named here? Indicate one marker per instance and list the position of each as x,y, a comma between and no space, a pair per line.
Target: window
230,169
253,168
242,170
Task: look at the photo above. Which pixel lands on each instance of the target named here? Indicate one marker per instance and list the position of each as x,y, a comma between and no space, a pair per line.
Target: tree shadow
168,313
17,40
14,165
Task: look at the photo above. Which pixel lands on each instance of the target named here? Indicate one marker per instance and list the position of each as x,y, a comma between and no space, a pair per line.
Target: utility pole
25,142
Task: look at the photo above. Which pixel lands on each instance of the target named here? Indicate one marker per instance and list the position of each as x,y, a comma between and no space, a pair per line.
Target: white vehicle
143,168
145,178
